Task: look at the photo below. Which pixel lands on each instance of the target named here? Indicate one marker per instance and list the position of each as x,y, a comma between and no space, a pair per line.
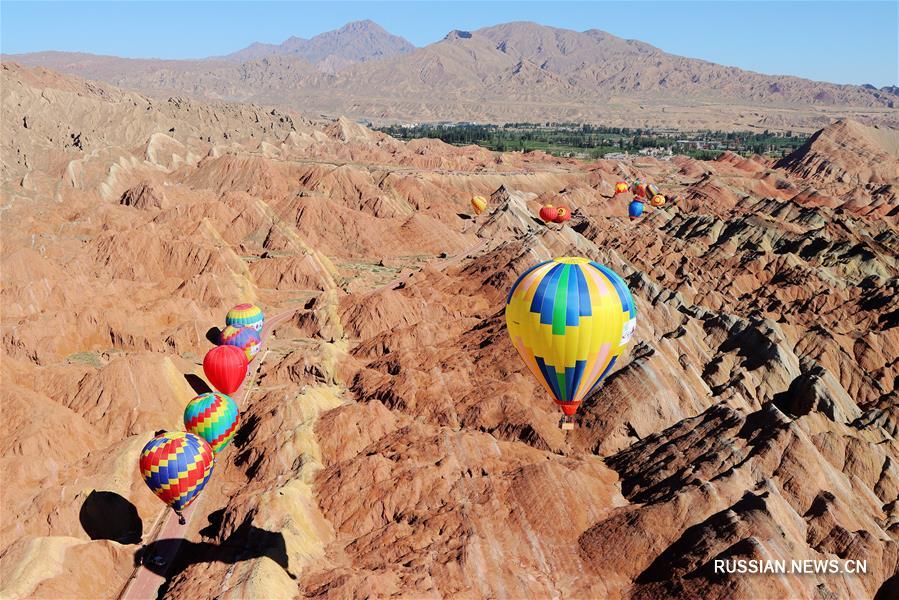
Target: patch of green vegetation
571,139
90,359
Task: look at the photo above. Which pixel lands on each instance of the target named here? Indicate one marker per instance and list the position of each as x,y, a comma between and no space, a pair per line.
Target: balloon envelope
658,200
635,209
621,187
214,417
549,213
640,190
562,214
176,467
225,368
570,319
245,315
652,190
245,338
478,204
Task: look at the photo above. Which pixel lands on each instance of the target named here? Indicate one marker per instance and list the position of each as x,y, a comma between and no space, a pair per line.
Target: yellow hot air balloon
478,204
570,319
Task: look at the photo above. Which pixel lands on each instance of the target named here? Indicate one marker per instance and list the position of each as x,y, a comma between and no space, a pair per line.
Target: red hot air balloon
562,214
549,213
225,368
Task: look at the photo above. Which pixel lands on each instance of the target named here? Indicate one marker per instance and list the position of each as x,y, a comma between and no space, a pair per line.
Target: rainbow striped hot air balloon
570,319
176,467
245,338
214,417
245,315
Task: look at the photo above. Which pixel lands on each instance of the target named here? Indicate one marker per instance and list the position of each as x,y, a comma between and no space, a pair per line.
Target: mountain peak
362,25
355,42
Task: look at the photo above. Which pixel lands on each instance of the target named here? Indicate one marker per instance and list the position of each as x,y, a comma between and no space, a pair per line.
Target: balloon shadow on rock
109,516
169,557
197,384
214,335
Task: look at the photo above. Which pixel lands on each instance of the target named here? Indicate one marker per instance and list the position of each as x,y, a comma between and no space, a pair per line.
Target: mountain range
518,71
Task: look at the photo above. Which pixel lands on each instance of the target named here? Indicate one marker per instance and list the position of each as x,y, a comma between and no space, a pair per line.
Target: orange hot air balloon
478,204
658,200
562,214
621,187
549,213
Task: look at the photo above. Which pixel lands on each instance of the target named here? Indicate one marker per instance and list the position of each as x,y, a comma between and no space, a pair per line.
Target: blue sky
842,42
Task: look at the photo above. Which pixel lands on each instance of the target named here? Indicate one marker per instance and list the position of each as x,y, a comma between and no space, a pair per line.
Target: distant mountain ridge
355,42
510,72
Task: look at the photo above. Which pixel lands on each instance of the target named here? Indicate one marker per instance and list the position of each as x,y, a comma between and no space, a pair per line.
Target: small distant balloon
562,214
621,187
549,213
635,210
658,200
639,190
245,338
225,368
652,190
478,204
245,315
214,417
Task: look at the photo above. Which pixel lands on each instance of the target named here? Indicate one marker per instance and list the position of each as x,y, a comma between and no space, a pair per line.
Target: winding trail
143,584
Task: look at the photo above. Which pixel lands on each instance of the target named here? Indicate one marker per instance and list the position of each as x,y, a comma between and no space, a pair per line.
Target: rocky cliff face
392,441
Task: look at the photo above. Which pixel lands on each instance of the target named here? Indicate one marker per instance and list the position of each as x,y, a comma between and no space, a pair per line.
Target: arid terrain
392,443
511,72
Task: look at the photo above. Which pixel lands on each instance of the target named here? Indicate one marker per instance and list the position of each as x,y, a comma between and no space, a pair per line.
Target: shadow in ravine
214,335
197,384
169,557
109,516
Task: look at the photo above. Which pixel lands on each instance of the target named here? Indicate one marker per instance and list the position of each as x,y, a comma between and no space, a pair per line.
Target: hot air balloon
549,213
225,368
570,319
635,209
621,187
245,315
214,417
478,204
245,338
652,190
658,200
562,214
176,467
639,190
